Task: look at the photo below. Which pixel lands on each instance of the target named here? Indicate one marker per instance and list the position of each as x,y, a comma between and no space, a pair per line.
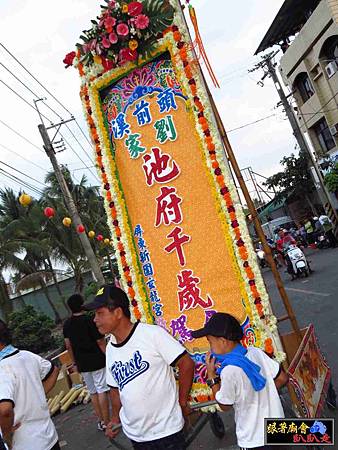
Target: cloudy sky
40,32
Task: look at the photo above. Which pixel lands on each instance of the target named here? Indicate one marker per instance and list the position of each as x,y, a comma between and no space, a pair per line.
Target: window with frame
324,135
304,86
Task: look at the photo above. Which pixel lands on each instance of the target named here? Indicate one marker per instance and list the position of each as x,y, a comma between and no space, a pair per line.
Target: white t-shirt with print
251,407
21,376
140,368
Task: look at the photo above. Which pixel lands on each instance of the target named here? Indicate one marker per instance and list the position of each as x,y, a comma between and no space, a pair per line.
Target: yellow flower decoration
97,59
124,8
133,44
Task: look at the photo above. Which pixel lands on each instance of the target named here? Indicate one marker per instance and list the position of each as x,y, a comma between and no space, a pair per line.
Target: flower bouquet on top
122,32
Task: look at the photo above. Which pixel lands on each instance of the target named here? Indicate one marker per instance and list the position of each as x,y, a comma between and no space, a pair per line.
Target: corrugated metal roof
291,16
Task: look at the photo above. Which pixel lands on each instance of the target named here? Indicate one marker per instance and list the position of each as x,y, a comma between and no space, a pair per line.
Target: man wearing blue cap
140,359
245,379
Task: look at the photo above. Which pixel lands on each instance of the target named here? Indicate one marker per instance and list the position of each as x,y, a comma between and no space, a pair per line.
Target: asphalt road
314,300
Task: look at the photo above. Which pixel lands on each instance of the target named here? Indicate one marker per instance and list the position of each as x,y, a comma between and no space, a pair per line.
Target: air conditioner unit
331,69
334,130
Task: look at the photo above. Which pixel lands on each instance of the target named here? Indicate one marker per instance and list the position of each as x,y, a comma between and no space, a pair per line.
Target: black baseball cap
108,294
221,325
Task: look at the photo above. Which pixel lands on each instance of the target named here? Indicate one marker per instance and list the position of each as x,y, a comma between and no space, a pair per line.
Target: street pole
271,70
48,146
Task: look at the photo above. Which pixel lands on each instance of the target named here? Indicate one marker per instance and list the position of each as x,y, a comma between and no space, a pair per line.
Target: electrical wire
251,123
22,157
48,91
22,137
45,117
20,181
22,173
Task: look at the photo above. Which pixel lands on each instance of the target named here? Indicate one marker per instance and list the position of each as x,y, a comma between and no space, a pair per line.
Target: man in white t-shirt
245,379
140,359
25,378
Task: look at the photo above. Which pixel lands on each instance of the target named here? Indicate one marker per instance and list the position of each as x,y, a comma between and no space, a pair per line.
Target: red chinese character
298,438
156,167
168,207
325,438
177,243
190,294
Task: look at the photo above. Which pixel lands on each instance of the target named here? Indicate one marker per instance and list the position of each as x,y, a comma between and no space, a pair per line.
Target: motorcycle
298,264
322,241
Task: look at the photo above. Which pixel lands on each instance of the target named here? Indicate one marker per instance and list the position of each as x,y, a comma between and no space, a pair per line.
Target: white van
280,222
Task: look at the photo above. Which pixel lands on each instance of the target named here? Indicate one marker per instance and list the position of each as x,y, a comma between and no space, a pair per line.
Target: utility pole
269,68
48,146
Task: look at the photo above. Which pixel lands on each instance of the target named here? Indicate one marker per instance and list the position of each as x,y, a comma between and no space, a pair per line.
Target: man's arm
115,418
186,369
69,348
51,378
211,369
7,421
102,344
282,379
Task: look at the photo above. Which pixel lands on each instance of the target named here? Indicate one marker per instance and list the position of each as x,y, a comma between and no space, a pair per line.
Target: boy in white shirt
245,379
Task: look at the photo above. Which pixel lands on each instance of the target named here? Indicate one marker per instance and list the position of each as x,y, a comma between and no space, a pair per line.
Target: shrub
32,330
331,179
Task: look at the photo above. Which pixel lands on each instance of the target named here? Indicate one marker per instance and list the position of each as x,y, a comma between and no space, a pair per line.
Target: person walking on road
140,372
25,378
244,379
87,347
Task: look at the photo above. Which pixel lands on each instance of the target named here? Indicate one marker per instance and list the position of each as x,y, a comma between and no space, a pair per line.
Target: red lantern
99,237
49,212
80,229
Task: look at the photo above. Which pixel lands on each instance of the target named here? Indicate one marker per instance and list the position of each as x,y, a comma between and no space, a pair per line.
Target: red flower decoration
109,22
107,65
127,55
135,8
122,29
142,21
69,58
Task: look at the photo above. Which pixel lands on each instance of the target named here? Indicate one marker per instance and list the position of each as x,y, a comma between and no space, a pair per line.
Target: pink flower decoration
109,22
127,55
106,42
111,4
135,8
142,21
113,38
122,29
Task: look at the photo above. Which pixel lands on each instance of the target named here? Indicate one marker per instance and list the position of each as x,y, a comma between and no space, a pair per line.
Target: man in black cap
243,378
140,359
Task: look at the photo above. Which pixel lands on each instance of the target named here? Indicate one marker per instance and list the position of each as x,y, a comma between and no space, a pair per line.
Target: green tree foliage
32,330
331,179
294,180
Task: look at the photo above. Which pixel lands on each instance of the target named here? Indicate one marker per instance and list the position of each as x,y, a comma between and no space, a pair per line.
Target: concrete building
307,33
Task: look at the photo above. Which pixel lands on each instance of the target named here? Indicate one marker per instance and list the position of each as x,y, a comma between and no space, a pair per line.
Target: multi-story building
307,33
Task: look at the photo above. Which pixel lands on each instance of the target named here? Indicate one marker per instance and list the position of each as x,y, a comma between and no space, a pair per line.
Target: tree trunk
51,304
313,209
6,305
79,282
56,283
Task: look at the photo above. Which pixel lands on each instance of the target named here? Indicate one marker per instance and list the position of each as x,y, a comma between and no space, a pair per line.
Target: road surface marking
303,291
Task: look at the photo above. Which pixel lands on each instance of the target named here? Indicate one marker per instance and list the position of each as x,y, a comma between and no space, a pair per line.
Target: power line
53,96
20,181
22,137
34,78
31,106
22,157
251,123
22,173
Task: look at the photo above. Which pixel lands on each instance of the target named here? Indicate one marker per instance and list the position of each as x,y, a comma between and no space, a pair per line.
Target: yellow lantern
67,221
106,241
91,234
25,199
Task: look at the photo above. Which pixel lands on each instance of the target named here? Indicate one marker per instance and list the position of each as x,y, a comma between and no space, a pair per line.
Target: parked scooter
297,264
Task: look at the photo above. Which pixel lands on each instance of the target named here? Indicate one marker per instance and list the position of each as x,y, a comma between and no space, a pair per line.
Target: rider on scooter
283,243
